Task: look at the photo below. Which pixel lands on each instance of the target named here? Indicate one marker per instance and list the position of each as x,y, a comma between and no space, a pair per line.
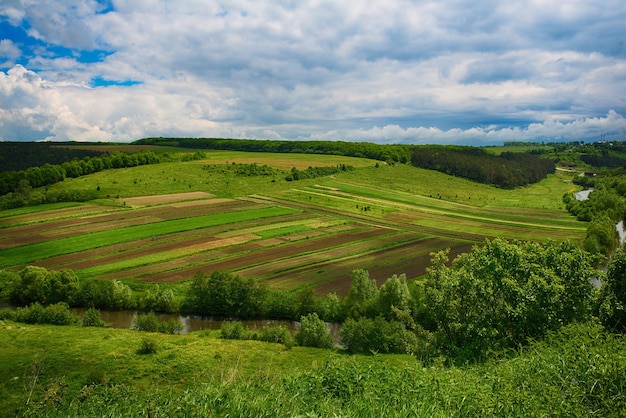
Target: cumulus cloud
453,71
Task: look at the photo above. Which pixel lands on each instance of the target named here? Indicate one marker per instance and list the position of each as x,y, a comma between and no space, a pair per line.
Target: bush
277,334
92,318
313,332
377,335
57,314
150,323
148,346
146,322
233,331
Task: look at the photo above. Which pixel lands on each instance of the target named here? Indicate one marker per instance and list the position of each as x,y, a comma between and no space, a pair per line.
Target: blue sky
393,71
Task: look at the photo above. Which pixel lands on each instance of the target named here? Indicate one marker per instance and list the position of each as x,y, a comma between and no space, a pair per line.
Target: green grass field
60,371
217,218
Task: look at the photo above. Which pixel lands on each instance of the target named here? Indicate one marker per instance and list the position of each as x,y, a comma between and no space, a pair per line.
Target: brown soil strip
164,198
262,255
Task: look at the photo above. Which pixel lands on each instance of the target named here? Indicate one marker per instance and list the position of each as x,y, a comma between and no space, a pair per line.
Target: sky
386,71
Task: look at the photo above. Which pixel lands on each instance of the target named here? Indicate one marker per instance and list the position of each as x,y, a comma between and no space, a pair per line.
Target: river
125,320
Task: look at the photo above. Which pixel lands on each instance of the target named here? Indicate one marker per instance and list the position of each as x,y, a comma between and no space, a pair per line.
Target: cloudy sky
392,71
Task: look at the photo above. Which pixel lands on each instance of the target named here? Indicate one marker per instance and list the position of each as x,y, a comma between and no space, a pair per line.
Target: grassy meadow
61,371
166,222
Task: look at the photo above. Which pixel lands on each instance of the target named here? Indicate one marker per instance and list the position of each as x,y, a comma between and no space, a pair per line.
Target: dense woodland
17,156
507,170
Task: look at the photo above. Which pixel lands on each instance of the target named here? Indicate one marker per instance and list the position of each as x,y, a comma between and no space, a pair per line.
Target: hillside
239,212
73,371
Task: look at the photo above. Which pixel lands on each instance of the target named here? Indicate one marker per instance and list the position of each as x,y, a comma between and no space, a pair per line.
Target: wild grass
74,371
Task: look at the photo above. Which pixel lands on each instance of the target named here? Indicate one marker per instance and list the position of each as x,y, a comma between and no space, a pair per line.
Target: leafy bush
503,293
106,294
224,294
148,346
612,312
150,323
36,313
377,335
157,299
313,332
277,334
233,331
92,318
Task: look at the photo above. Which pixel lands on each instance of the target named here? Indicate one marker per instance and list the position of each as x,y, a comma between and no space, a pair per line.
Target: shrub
170,326
92,318
36,313
233,331
148,346
377,335
277,334
146,322
59,314
313,332
150,323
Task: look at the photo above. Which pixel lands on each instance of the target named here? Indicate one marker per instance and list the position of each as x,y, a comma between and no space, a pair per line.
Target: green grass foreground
65,371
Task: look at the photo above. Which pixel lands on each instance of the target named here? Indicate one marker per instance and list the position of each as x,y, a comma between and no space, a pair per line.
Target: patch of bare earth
164,198
242,259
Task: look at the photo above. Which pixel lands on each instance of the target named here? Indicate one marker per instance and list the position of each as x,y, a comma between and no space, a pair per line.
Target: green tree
363,294
224,294
613,294
502,293
29,286
394,293
62,286
313,332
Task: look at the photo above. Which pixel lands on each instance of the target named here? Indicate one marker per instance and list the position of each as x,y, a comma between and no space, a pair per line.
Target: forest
507,170
18,156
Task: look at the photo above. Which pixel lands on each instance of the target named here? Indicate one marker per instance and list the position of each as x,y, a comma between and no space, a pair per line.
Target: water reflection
125,319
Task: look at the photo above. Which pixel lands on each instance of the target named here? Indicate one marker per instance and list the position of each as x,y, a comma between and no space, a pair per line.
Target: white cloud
450,71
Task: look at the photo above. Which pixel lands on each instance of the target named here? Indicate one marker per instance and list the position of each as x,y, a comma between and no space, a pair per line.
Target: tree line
389,153
493,299
17,187
507,170
17,156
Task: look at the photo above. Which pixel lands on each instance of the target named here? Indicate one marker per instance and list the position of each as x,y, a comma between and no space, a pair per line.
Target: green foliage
224,294
313,332
106,294
390,153
313,172
233,330
150,323
377,335
362,295
92,318
158,299
280,305
394,296
16,186
330,308
148,346
501,294
601,235
37,284
579,371
612,310
56,314
507,170
277,334
29,286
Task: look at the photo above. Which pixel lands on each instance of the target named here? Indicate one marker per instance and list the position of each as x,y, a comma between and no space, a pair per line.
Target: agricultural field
166,222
